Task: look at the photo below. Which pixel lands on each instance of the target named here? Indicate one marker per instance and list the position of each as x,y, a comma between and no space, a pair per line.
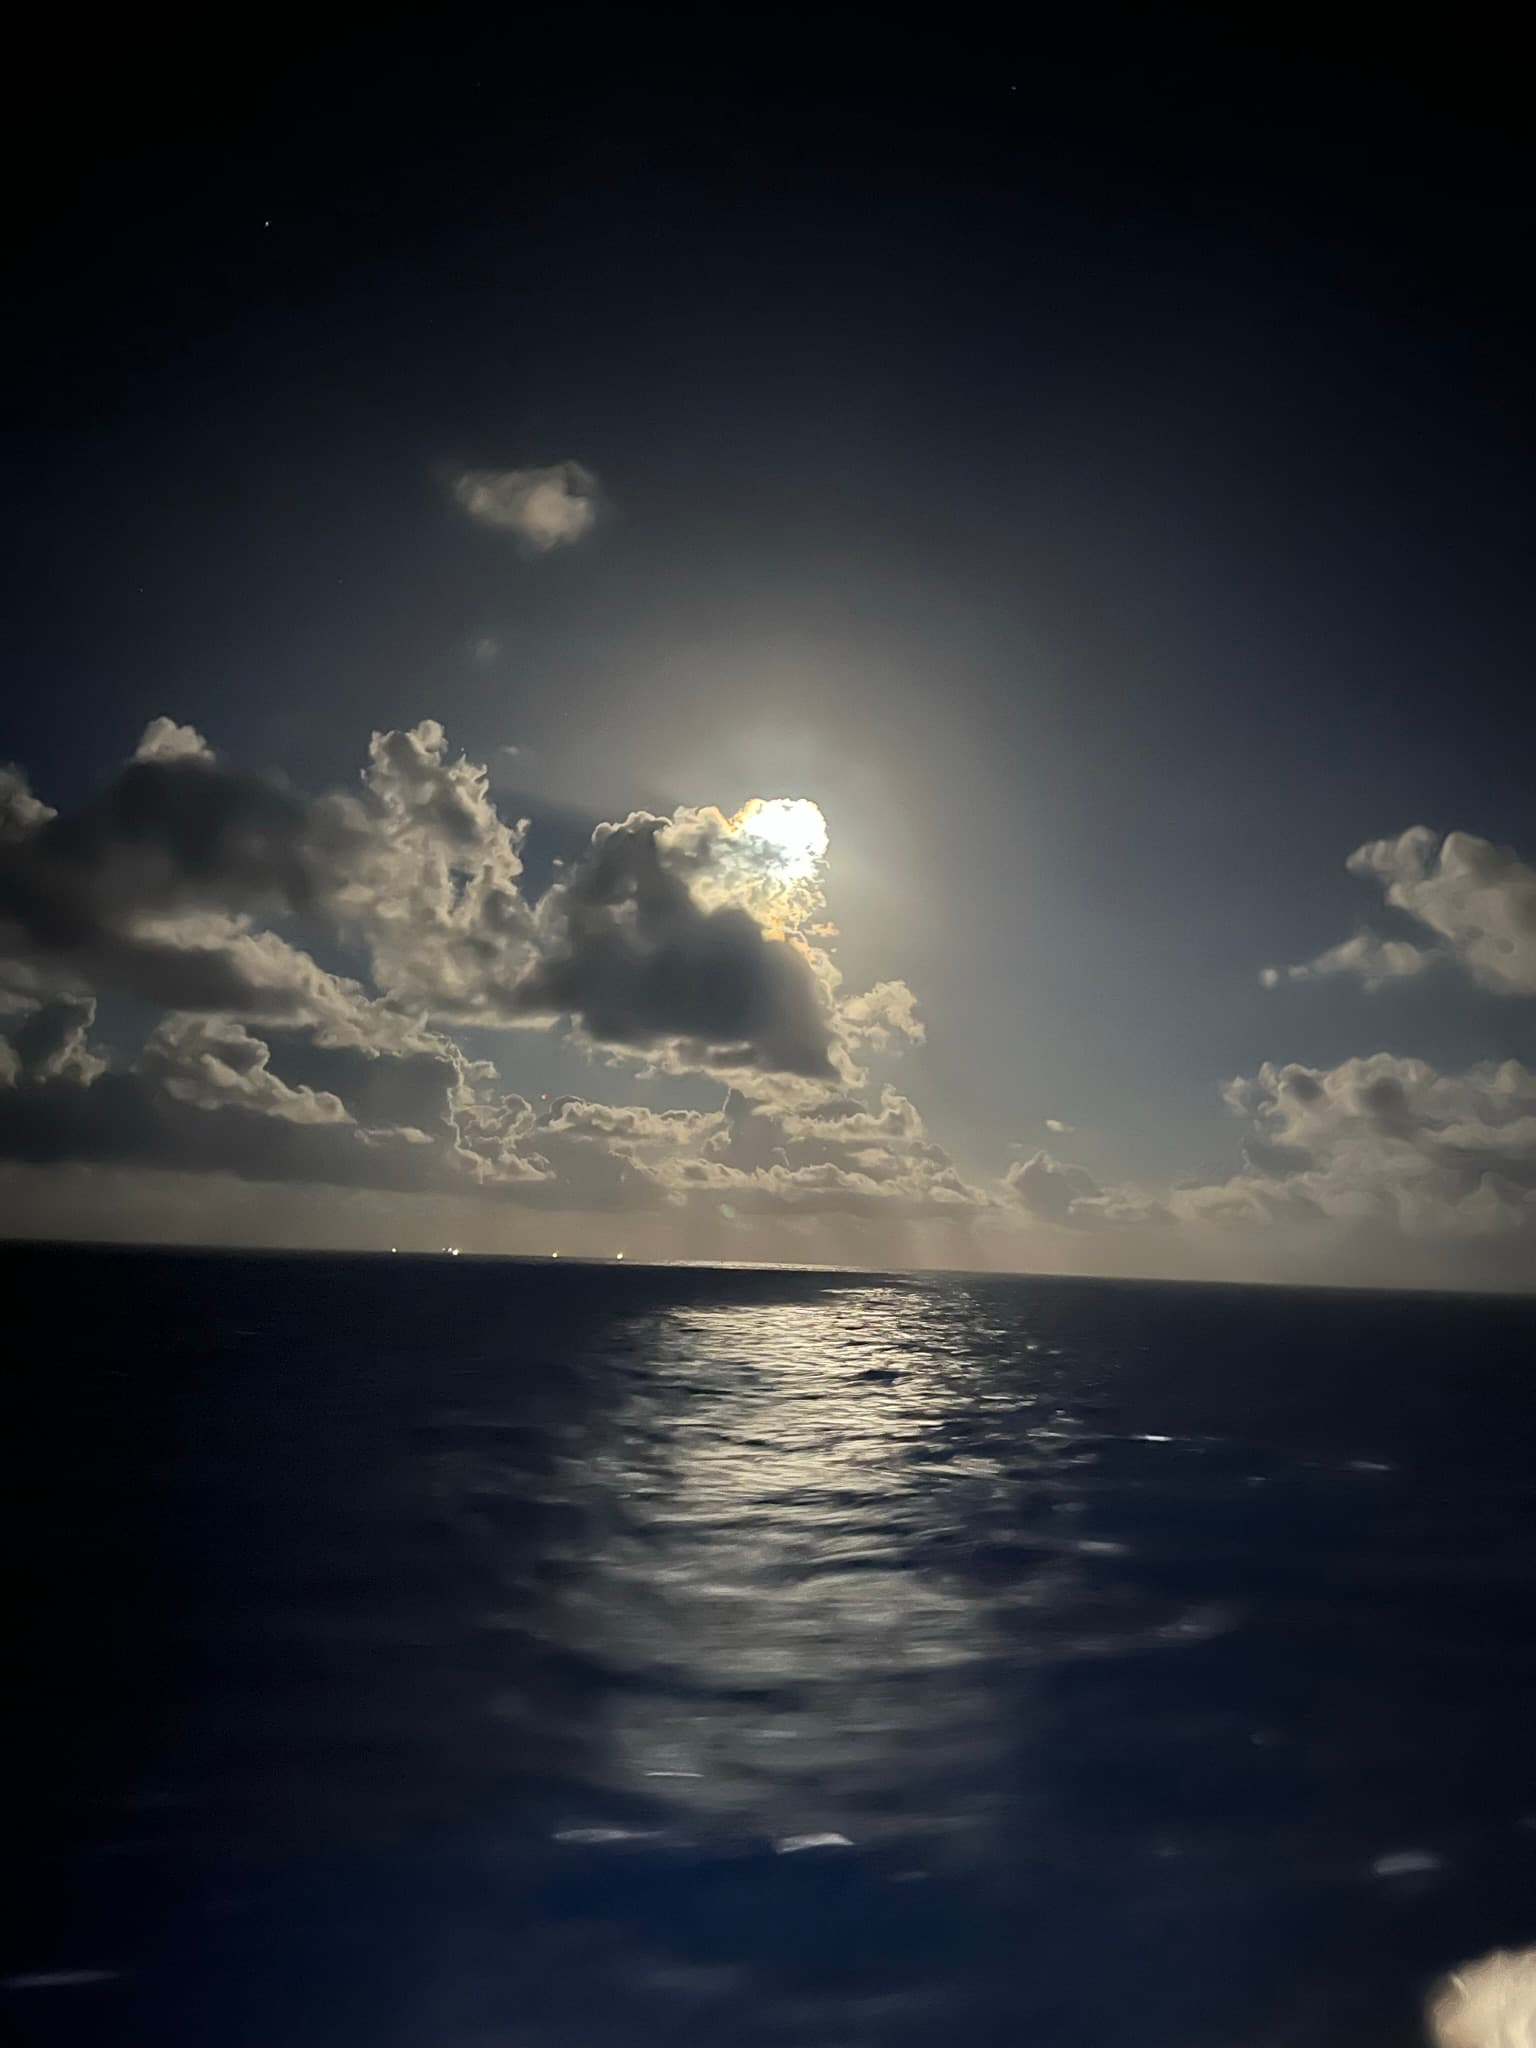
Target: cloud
311,958
543,508
682,944
1383,1144
1381,1167
1374,961
152,886
164,740
608,1123
426,876
21,813
221,1065
1478,899
215,1097
130,1117
839,1154
883,1017
629,953
670,939
1345,1166
1072,1199
1048,1189
418,1084
52,1041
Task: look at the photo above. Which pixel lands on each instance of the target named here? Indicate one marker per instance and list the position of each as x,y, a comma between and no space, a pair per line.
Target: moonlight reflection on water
774,1657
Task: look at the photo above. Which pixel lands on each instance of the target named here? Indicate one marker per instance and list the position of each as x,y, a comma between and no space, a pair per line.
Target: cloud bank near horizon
693,946
674,945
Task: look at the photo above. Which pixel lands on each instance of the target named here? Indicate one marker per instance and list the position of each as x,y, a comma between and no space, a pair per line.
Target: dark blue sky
1101,482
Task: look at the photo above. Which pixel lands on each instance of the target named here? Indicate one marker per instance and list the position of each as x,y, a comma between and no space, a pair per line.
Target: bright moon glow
790,827
769,860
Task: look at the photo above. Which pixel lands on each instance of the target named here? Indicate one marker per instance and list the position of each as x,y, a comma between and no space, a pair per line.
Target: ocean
440,1653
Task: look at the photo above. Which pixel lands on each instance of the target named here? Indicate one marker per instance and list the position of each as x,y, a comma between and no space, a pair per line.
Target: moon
790,830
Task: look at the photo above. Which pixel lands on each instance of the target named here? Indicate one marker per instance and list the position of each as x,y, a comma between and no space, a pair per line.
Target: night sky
1098,481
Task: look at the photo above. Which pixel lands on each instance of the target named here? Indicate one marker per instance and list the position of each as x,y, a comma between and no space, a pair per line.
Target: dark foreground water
448,1654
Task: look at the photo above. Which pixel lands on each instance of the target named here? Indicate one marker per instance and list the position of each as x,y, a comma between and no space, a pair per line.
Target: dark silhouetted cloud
629,954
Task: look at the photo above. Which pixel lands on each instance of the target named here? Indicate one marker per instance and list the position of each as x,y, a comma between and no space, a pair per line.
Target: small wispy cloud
1054,1123
543,508
1373,961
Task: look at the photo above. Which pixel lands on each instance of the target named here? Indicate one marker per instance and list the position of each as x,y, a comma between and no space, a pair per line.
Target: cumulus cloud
126,1116
426,876
215,1097
681,943
21,813
1072,1199
164,740
1381,1166
151,887
222,1065
52,1041
659,941
840,1156
1048,1189
311,958
883,1017
542,508
630,1124
1385,1143
1478,899
629,953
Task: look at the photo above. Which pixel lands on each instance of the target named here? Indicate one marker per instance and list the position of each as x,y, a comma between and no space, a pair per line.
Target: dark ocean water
449,1654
